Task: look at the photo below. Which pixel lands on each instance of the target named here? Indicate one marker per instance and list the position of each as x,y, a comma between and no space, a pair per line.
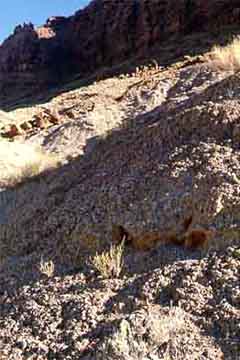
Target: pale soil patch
19,162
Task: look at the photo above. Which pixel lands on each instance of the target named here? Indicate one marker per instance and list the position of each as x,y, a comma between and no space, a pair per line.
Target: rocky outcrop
102,34
146,152
43,119
30,61
110,31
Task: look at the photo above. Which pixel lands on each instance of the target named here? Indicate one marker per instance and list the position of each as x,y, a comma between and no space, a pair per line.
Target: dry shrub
166,328
128,343
47,267
19,161
122,345
109,263
226,58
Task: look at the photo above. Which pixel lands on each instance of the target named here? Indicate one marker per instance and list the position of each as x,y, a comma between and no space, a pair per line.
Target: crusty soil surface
176,154
168,304
144,151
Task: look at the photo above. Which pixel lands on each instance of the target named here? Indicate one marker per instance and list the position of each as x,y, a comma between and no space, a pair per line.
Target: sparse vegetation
19,162
127,343
227,58
122,345
109,263
47,267
166,329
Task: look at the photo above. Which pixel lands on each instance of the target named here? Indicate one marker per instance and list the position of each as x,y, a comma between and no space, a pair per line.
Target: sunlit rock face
102,34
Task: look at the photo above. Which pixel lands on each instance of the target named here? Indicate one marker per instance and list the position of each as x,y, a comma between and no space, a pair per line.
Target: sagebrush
109,263
226,58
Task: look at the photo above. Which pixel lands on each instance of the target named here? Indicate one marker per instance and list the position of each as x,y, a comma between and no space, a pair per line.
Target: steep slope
145,150
32,60
176,154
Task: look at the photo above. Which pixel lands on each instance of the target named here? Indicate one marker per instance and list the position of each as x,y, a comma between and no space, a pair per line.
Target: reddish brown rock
40,122
44,119
11,131
26,126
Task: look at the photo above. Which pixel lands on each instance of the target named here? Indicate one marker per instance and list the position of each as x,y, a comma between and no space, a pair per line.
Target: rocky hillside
144,151
144,147
32,60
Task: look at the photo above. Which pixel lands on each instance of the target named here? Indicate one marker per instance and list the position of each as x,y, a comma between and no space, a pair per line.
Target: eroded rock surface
175,154
32,60
145,150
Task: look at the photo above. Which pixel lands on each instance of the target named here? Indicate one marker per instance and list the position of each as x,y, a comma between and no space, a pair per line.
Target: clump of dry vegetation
166,328
122,345
19,162
226,58
109,263
47,268
127,342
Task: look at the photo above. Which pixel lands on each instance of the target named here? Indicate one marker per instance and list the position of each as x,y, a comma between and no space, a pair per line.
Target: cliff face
110,31
104,33
31,60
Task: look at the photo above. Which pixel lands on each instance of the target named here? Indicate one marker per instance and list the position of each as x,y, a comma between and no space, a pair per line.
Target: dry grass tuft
19,161
127,343
47,268
109,263
166,328
122,345
226,58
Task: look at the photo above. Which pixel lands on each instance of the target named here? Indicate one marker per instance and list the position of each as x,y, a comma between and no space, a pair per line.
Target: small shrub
122,345
47,268
166,328
226,58
109,263
156,332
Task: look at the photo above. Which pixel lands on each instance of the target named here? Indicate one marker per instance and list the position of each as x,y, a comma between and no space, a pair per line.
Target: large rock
104,33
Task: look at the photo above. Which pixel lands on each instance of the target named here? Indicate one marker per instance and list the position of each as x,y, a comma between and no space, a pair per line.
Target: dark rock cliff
104,33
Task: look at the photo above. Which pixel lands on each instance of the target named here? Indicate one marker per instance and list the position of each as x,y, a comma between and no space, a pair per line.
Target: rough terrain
179,307
33,59
144,149
175,153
